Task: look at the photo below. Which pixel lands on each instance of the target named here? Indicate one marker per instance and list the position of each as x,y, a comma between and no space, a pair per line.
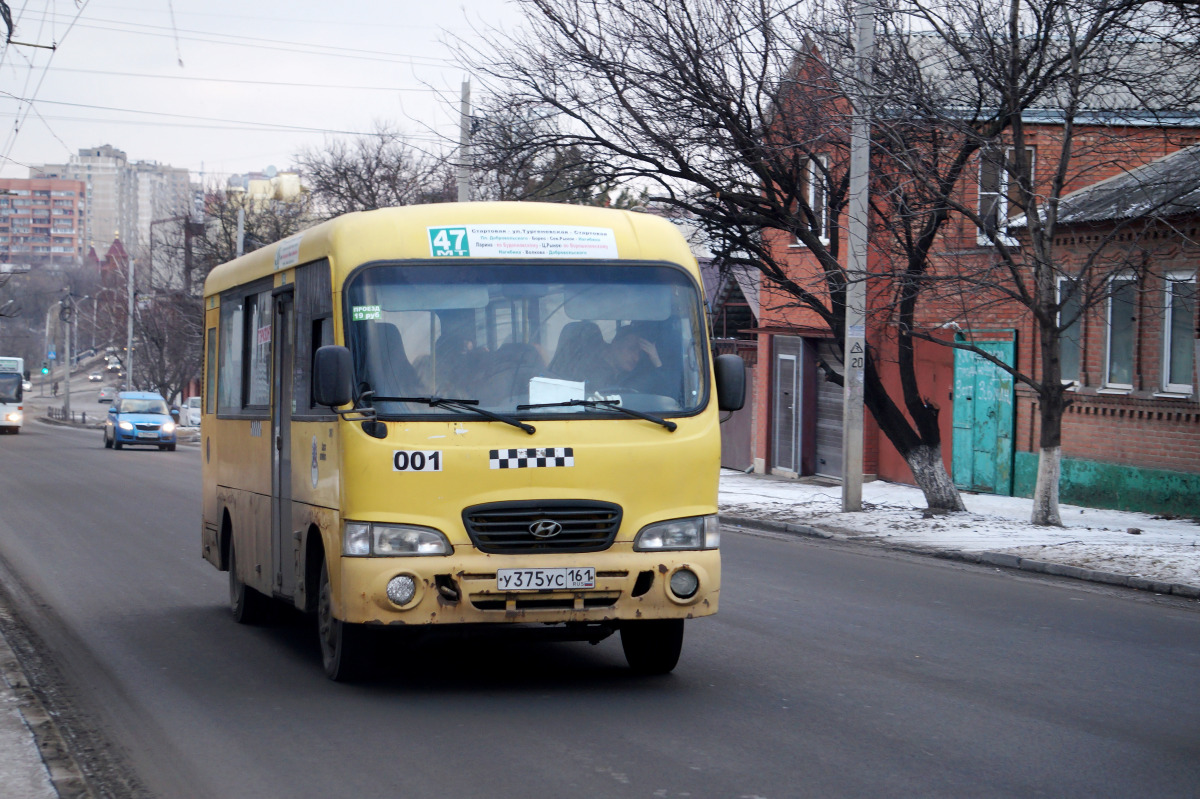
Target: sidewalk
1138,550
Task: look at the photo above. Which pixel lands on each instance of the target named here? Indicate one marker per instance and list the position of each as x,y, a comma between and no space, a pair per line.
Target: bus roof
405,233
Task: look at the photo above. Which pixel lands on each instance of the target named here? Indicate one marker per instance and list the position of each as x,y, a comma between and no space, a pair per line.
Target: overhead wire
11,141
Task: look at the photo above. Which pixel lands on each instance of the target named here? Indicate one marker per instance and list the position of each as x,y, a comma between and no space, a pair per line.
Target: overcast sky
228,86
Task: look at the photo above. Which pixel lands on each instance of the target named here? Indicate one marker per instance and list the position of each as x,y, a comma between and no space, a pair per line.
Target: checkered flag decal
531,458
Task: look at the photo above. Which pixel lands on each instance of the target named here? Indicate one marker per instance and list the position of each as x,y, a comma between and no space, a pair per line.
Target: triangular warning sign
857,348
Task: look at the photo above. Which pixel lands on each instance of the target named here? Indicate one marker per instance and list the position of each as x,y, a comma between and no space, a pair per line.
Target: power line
242,81
258,43
245,125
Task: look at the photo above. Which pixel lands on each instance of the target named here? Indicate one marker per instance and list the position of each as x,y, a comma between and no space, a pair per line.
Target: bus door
283,547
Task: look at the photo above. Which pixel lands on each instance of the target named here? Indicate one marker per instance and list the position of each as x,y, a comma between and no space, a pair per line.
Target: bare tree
373,171
1015,103
733,109
516,157
168,320
721,110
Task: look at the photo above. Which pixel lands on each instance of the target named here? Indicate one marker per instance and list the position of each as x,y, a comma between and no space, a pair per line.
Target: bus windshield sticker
531,458
428,460
365,313
522,241
288,253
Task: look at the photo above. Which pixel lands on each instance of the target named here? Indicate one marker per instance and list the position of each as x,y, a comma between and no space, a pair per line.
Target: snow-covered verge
1162,549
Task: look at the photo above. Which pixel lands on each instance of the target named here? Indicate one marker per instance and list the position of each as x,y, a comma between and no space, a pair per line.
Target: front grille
146,426
505,527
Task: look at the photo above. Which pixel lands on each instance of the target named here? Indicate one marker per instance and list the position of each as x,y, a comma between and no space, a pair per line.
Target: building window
998,193
1070,340
1179,333
816,194
1122,321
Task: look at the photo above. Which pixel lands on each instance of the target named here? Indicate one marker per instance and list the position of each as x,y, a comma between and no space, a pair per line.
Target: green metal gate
983,419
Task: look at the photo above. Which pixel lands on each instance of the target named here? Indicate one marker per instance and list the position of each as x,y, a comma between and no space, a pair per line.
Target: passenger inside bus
580,352
632,362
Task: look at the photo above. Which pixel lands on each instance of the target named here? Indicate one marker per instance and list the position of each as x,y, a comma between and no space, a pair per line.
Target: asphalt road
830,671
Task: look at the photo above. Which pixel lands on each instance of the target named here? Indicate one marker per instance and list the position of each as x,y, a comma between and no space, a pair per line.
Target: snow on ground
1166,549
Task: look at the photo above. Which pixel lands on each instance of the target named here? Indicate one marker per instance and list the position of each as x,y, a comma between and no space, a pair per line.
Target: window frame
817,174
1064,339
1001,193
1109,383
1168,335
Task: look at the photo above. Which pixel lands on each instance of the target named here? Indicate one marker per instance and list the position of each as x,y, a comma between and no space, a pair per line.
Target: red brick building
1131,436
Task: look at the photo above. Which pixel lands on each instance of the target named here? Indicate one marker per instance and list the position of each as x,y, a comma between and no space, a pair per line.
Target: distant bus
467,414
12,412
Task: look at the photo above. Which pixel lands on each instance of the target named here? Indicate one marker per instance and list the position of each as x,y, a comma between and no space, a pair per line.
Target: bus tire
652,646
345,650
248,606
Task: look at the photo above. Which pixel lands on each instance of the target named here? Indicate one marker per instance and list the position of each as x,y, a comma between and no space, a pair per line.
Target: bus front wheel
652,646
248,605
344,647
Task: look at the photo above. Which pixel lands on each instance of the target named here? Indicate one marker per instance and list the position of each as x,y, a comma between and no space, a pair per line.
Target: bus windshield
10,387
534,339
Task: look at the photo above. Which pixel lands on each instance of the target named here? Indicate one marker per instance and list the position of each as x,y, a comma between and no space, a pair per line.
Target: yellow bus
467,414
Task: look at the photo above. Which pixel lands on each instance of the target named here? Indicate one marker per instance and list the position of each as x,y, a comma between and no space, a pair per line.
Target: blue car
139,417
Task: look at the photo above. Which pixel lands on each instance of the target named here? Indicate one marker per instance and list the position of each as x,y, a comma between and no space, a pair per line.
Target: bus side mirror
730,371
332,376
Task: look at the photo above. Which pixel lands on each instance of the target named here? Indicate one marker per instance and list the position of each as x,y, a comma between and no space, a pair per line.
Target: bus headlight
696,532
15,416
361,539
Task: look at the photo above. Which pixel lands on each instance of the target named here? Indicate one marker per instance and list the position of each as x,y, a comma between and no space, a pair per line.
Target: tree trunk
1045,492
929,472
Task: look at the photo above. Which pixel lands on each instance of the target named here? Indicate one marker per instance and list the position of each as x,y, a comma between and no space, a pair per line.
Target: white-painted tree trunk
1045,491
931,476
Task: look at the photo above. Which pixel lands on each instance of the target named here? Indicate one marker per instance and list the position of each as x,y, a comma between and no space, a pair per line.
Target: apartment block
42,221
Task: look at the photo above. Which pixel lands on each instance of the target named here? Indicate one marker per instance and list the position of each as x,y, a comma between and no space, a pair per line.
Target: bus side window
229,373
210,377
322,335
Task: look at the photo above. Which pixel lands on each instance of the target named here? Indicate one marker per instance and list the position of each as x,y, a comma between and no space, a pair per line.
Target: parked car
26,385
141,418
107,394
95,377
193,411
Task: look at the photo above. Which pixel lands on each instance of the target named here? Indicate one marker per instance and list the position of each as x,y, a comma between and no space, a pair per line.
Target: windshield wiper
614,405
460,405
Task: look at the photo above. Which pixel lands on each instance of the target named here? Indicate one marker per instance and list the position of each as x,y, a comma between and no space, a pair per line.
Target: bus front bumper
467,590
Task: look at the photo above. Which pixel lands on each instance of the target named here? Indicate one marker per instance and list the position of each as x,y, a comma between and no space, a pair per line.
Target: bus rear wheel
345,647
248,605
652,646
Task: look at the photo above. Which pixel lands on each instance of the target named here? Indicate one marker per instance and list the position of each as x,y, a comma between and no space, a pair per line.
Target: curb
64,773
1000,559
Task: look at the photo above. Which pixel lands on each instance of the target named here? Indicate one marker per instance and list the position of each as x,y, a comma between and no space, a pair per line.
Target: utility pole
464,145
66,314
855,349
129,329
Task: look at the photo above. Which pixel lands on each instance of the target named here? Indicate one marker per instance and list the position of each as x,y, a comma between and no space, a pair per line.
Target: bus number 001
404,460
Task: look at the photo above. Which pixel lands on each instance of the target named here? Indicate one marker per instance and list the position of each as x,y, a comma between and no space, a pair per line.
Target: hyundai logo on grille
545,528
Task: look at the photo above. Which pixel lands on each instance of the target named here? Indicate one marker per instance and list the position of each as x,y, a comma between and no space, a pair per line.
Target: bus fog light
684,583
401,589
